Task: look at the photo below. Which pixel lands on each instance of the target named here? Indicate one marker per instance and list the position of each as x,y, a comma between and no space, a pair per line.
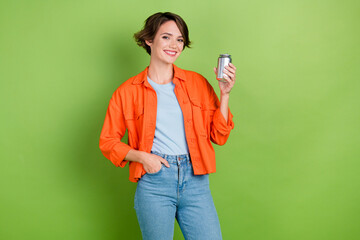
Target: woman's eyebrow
169,34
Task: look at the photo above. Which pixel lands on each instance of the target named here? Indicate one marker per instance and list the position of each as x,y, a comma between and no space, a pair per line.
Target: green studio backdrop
290,168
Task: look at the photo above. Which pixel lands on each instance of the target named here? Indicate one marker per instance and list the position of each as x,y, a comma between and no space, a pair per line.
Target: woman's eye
180,40
165,37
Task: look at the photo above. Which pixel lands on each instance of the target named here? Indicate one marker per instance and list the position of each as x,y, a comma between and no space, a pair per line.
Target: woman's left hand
229,77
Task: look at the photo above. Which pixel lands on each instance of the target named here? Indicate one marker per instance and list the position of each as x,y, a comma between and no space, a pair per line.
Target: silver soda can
223,60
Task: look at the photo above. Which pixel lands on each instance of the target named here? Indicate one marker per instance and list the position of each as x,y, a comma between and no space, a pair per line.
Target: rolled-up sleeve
219,128
112,132
220,123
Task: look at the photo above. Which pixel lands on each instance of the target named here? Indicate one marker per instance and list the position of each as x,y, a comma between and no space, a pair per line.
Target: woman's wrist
224,96
135,156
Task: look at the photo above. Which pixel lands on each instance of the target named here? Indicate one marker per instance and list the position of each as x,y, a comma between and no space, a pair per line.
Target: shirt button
185,101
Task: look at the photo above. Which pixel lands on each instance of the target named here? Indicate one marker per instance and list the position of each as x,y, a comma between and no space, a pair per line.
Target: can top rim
225,55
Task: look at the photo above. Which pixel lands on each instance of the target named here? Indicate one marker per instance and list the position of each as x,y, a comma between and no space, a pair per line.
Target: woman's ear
148,42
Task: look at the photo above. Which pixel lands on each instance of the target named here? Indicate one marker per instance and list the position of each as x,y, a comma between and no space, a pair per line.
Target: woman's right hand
151,162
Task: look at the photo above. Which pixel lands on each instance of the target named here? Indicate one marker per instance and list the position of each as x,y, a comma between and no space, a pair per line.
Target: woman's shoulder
199,82
132,83
195,78
198,86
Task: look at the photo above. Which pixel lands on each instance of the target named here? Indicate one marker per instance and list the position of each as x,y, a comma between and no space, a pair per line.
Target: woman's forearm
134,156
224,105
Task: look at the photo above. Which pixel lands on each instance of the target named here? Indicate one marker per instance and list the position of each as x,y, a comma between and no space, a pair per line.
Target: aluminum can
223,60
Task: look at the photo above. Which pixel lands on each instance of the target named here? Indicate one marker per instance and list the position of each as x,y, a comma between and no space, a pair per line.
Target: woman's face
167,44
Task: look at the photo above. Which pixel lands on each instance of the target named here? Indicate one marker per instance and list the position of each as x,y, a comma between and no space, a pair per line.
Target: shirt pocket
134,119
134,114
203,114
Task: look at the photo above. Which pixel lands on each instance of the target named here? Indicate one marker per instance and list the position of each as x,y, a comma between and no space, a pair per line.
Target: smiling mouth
170,53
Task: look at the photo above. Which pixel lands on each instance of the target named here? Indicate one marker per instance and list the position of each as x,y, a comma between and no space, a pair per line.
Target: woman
171,115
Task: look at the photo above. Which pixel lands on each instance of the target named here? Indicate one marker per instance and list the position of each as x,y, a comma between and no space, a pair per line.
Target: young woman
171,115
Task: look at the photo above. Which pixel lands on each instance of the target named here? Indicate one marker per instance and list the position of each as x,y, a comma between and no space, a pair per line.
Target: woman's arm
224,106
151,162
113,131
222,123
120,153
225,88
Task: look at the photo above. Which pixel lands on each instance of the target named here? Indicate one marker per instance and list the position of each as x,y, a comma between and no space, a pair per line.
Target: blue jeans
176,192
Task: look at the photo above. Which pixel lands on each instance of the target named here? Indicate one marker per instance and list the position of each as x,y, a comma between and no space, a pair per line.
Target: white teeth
171,53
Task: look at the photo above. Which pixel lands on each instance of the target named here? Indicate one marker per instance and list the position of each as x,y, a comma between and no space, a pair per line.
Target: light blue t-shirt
170,131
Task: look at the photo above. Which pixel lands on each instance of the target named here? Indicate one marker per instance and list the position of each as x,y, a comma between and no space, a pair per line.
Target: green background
290,169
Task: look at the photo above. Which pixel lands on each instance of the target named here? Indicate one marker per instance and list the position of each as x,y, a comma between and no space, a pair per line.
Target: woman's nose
173,43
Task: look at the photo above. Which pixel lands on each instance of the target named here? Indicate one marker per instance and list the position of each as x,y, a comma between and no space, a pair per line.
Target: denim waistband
173,158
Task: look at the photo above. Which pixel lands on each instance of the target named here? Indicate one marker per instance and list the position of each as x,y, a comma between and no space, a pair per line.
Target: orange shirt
133,107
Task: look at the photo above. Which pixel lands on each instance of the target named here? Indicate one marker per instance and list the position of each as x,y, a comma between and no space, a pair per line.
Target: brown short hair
152,25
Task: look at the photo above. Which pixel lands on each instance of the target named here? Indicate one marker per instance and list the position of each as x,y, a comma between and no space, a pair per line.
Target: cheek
158,44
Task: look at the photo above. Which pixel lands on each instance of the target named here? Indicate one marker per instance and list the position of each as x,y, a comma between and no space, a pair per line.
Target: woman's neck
161,73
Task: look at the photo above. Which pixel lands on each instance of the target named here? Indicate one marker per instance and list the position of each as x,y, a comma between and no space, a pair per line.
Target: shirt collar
141,77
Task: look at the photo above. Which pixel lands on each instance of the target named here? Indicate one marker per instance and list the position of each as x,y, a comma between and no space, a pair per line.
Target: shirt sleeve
112,132
219,128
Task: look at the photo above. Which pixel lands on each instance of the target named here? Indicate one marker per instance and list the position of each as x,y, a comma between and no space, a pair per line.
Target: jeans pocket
162,166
